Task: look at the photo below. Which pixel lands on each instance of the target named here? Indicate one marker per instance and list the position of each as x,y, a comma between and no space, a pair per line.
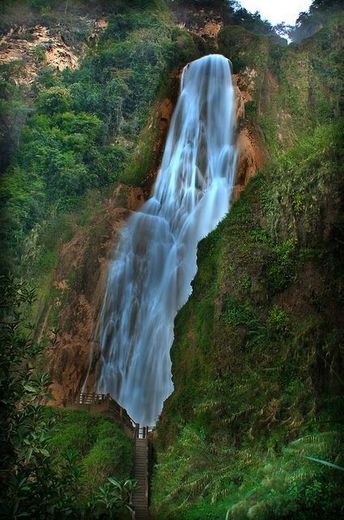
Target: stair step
140,495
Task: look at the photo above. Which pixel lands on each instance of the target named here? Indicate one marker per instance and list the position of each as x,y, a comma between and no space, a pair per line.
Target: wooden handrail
92,398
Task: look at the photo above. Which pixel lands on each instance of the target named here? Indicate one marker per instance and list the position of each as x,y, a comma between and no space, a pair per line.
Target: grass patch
103,449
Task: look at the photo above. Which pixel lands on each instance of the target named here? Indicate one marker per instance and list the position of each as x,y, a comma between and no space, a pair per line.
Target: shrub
53,100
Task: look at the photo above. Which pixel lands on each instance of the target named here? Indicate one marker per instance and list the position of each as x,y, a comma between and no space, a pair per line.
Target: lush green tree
84,124
35,486
53,100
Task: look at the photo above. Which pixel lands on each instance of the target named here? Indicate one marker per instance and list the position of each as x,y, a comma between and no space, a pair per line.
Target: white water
155,262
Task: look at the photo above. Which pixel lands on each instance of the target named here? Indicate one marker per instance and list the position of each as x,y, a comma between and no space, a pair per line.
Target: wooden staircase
141,474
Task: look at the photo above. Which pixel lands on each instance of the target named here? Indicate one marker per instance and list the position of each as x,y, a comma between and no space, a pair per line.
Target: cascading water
155,262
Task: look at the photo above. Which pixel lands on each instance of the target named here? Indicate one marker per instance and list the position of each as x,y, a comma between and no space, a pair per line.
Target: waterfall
155,261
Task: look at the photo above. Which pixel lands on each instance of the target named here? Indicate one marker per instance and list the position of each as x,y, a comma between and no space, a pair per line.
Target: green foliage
326,463
87,124
256,356
13,111
233,14
278,320
258,331
54,100
210,475
250,108
271,272
245,49
280,266
307,177
289,486
37,486
102,447
112,497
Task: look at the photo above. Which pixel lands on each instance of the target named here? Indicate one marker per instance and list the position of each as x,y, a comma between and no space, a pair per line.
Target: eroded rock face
80,280
251,157
34,47
37,46
203,22
251,150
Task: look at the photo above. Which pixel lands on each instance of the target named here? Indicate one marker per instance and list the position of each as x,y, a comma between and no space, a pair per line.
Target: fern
287,484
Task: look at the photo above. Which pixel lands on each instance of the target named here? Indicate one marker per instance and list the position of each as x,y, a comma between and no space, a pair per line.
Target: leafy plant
33,488
112,497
